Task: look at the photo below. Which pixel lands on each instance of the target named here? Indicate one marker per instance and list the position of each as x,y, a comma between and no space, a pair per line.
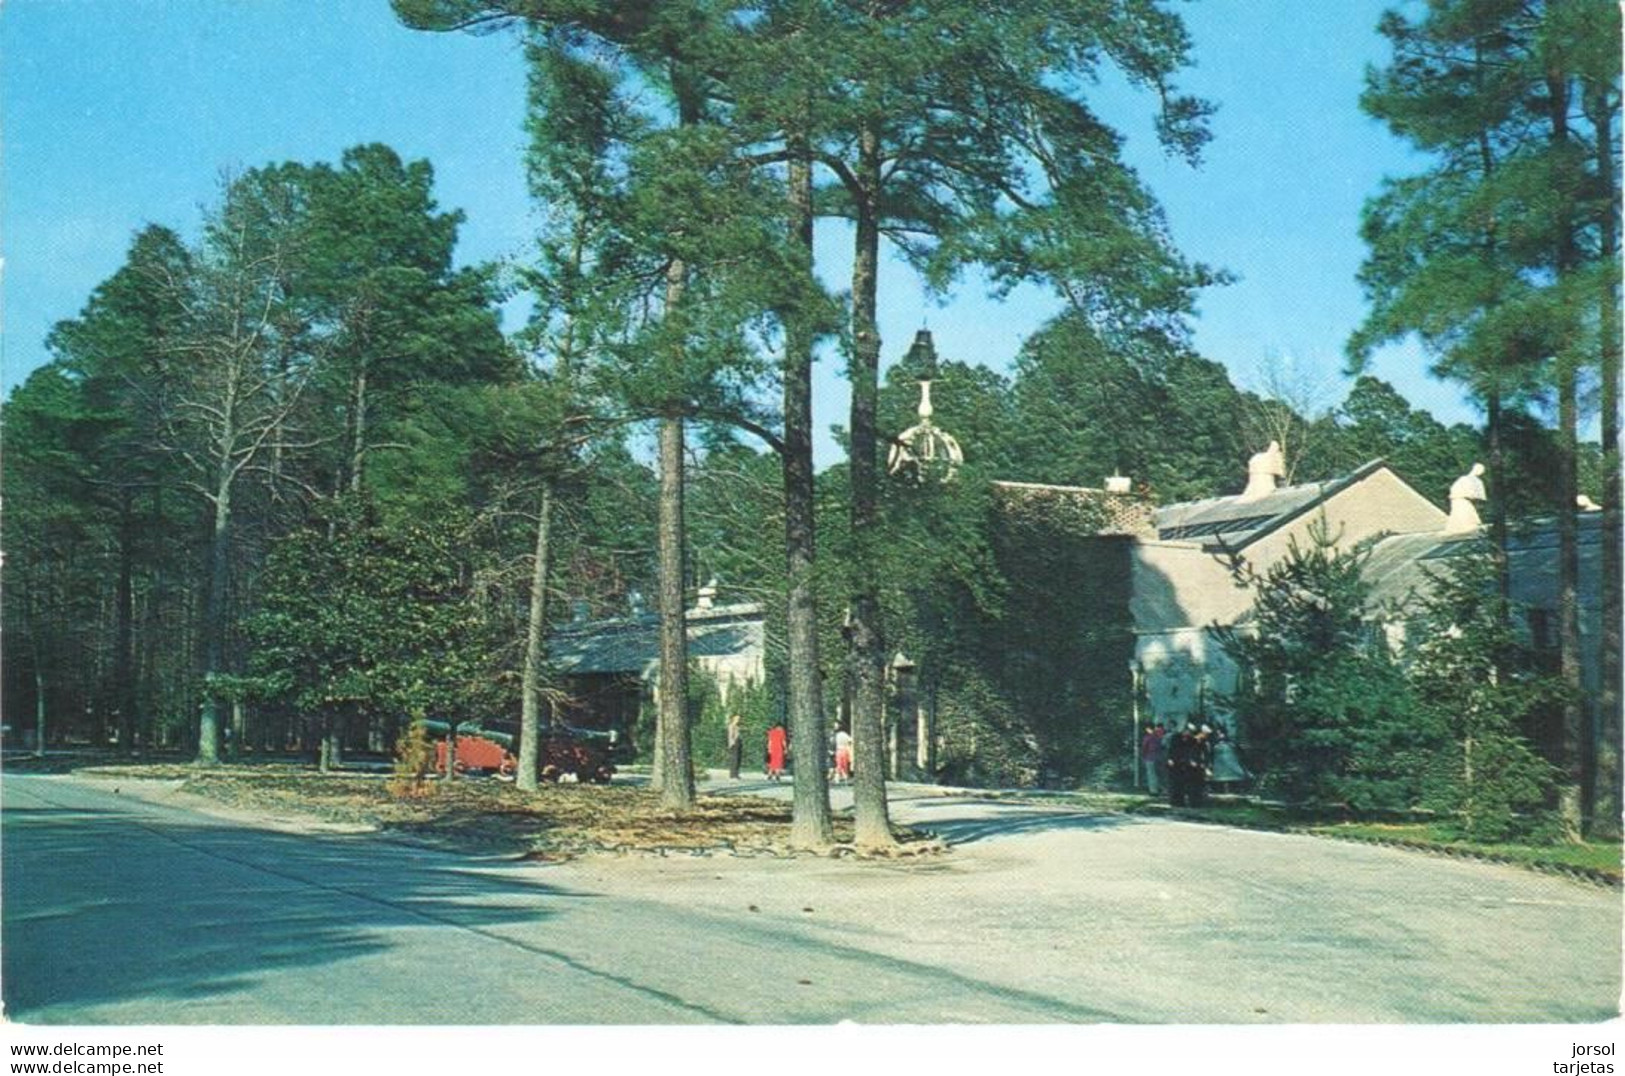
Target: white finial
1464,491
1264,471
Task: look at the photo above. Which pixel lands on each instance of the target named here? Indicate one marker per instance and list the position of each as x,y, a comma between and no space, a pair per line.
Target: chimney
1119,483
705,598
580,611
1464,491
1264,471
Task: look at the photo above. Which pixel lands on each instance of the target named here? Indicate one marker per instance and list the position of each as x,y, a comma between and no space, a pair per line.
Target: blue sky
117,113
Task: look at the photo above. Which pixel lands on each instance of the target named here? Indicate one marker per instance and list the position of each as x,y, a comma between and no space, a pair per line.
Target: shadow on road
982,821
104,906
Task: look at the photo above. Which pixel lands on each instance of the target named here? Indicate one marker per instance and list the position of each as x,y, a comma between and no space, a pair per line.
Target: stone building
610,666
1184,583
1185,579
1113,605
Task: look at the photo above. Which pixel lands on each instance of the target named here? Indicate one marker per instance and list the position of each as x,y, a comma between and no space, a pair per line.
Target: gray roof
631,645
1402,566
1232,523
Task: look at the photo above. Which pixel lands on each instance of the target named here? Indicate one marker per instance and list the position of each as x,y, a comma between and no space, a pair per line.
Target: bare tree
232,386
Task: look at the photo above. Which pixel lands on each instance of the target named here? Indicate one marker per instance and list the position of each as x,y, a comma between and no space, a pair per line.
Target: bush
414,758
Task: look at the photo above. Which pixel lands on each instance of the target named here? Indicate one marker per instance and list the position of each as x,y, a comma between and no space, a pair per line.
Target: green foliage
1481,687
1326,714
1375,422
984,742
1087,405
380,620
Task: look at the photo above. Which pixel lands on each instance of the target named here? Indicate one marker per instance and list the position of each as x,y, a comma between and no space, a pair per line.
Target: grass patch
1600,859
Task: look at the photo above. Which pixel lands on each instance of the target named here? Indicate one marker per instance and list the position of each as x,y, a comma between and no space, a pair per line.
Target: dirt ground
480,814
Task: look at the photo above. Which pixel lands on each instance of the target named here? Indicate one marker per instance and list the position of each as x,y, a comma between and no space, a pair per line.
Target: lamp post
925,453
902,672
923,450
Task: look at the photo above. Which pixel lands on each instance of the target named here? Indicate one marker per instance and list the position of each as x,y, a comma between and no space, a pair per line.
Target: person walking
843,756
778,741
736,746
1151,758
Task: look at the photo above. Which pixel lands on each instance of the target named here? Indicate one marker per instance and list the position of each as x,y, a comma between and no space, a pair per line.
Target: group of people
777,751
1185,761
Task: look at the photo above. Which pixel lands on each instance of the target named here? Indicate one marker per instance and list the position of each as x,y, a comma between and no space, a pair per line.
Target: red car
566,754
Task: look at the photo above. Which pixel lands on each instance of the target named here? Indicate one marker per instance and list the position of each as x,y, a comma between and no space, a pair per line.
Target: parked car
492,747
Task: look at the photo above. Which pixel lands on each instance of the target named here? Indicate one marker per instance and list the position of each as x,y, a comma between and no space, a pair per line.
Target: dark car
565,754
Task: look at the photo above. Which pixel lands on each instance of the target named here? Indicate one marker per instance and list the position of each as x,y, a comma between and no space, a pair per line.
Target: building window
1542,629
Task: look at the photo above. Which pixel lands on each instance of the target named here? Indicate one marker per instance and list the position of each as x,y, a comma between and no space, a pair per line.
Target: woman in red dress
778,740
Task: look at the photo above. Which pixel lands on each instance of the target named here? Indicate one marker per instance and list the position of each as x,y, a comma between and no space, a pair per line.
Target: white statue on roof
1463,492
1264,471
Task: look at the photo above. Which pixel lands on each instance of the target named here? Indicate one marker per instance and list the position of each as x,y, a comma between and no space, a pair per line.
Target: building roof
1401,567
631,645
1233,523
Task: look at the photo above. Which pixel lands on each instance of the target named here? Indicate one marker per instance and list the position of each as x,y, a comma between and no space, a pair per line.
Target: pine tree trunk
810,825
124,627
239,728
866,648
673,776
1576,748
34,631
1607,774
530,719
214,625
674,755
1606,821
358,425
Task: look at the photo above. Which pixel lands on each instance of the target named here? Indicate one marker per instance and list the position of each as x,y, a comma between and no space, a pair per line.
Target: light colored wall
1184,669
1179,584
735,670
1380,502
1180,590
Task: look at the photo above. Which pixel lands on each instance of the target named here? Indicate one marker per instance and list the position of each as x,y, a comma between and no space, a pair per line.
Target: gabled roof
1233,523
631,645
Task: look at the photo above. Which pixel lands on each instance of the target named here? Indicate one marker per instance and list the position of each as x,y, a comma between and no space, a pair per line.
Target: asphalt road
117,910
